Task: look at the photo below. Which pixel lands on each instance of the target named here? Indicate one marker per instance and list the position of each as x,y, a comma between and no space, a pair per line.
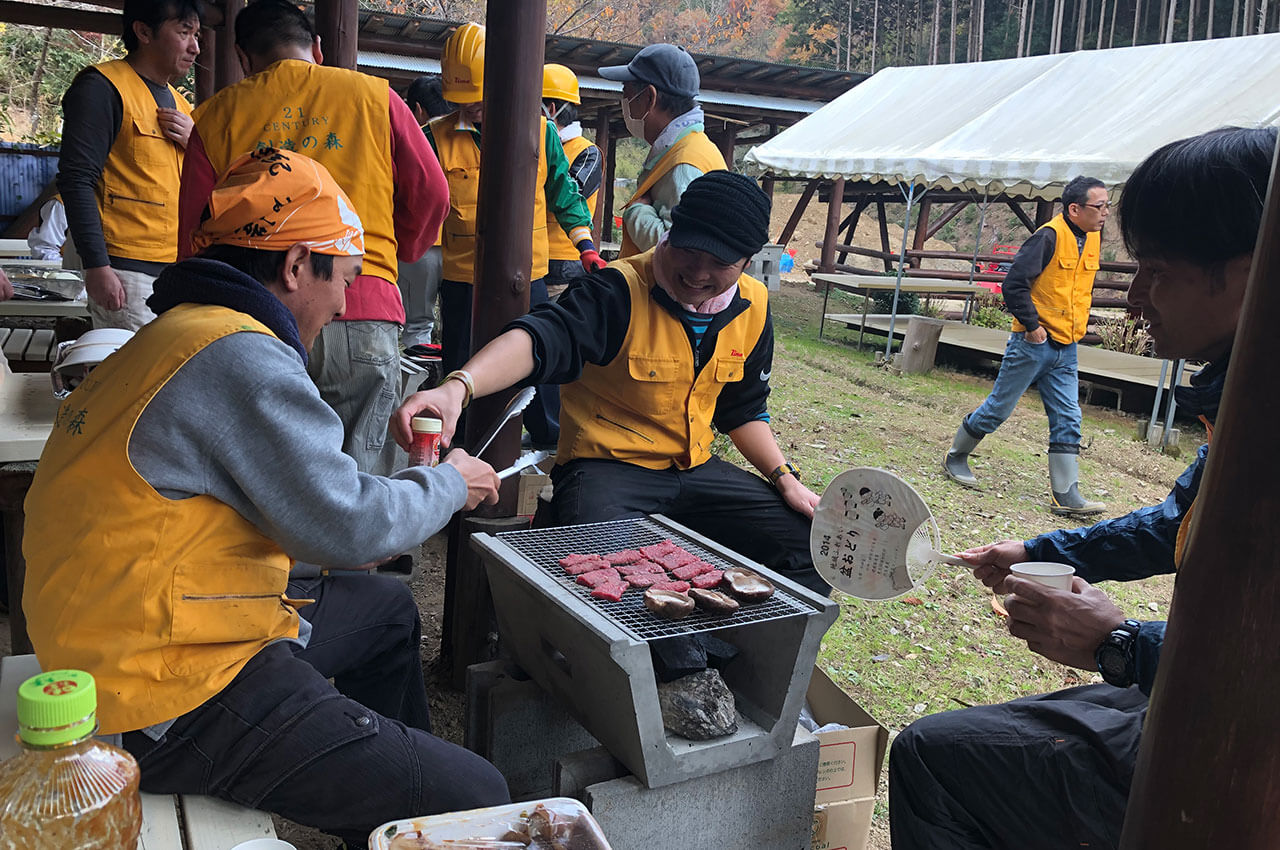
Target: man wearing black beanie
653,352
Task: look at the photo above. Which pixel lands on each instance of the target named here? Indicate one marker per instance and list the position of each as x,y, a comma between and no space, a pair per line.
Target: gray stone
699,706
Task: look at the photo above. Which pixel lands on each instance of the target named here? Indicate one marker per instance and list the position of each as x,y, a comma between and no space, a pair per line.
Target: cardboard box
849,765
532,480
843,826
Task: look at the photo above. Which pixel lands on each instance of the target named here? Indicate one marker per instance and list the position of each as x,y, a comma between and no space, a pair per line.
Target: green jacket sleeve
563,196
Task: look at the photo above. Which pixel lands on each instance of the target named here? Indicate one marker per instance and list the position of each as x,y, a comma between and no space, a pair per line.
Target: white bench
169,822
27,345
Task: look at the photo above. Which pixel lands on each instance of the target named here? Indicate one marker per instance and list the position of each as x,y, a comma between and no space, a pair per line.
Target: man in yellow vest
1049,290
365,135
1053,771
220,464
659,85
560,101
123,135
456,139
653,353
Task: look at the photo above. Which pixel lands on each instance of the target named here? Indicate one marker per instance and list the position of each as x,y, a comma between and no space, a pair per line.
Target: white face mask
635,126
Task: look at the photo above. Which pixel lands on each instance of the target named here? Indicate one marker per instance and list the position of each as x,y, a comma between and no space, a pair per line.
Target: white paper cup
1045,572
264,844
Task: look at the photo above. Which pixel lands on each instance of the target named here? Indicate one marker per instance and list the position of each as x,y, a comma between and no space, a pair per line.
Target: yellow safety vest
334,115
460,158
560,248
138,190
162,600
690,149
1063,293
646,406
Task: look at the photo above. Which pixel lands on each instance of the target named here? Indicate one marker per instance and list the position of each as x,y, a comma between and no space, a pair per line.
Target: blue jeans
356,367
1052,367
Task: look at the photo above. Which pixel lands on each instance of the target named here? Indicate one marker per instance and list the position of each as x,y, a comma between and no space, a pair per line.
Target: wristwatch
786,469
1115,655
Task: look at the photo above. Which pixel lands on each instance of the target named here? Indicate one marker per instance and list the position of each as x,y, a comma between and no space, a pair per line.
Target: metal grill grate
544,547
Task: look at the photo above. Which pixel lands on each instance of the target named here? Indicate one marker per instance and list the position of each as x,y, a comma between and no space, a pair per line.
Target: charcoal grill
594,655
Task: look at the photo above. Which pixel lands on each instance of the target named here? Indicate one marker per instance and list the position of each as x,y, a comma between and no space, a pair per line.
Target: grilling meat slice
599,577
713,600
643,580
586,567
571,559
688,571
610,591
668,603
747,586
677,586
626,556
708,579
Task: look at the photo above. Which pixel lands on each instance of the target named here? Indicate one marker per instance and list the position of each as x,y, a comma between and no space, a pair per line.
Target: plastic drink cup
1057,576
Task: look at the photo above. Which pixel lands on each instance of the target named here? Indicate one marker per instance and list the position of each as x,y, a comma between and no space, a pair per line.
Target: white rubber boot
1065,498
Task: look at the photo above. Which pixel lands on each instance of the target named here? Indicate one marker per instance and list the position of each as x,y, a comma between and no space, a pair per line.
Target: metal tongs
531,459
31,292
514,408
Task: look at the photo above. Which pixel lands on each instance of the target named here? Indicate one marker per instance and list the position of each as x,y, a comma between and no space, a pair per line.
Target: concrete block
768,804
519,727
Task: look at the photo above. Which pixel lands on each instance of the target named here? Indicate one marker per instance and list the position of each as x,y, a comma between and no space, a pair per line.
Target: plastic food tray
481,829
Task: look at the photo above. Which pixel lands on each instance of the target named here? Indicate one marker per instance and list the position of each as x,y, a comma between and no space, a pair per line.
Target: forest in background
858,35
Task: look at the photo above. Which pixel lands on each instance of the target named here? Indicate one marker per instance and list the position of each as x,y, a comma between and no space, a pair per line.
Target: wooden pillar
726,140
206,65
922,229
766,184
227,70
610,171
798,213
602,142
1210,757
338,24
833,226
1044,212
884,233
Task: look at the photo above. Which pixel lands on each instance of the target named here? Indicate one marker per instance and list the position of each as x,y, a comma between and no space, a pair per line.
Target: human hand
175,124
1063,626
592,261
6,288
797,496
991,563
1038,335
444,403
482,481
105,288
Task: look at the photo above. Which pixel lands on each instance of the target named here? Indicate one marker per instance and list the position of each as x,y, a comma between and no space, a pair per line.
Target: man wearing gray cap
658,89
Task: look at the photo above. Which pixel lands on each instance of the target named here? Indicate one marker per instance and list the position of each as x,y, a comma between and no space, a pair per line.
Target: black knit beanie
723,213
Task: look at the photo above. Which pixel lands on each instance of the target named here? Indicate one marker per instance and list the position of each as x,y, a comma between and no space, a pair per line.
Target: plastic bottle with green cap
66,789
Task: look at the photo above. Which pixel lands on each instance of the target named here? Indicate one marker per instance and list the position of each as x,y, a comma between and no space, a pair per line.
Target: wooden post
920,345
798,213
206,65
827,264
726,140
922,230
884,233
602,142
766,185
1209,759
504,255
338,24
610,172
1044,212
226,63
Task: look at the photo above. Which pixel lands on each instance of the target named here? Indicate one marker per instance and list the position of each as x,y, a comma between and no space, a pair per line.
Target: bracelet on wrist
463,377
786,468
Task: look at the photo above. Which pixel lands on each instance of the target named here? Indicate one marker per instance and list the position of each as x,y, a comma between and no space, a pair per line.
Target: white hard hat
77,357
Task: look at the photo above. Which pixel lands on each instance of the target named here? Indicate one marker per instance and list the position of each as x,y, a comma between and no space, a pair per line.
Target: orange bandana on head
272,200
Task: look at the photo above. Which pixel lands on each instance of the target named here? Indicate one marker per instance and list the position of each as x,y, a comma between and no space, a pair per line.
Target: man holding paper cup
1054,770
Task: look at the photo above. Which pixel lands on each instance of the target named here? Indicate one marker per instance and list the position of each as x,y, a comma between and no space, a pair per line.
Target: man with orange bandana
365,135
659,85
123,134
1053,771
216,668
456,139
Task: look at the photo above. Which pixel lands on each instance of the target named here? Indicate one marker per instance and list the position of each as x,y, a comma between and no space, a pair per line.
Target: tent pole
1171,406
902,259
977,243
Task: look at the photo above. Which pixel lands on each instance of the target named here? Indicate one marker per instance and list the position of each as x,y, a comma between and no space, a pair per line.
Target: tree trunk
1209,30
1102,19
1031,27
1022,26
39,77
1262,16
875,33
937,19
1115,12
1082,11
1137,15
1191,19
982,23
1055,34
953,32
1168,26
897,32
1235,18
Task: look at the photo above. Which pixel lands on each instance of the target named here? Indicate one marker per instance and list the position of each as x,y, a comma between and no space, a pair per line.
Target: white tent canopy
1027,126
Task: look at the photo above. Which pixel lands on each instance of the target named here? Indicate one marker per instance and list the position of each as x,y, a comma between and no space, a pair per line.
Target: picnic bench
869,284
169,821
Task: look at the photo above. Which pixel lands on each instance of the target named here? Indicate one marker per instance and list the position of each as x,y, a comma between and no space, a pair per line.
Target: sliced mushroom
747,586
713,600
668,603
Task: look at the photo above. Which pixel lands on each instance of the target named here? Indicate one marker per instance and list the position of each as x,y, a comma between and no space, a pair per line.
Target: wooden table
866,284
169,822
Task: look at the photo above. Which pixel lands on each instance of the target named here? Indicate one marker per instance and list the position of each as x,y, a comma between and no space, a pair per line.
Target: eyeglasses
1100,205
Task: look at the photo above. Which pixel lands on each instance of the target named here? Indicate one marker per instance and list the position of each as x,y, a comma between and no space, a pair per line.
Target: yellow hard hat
462,65
559,83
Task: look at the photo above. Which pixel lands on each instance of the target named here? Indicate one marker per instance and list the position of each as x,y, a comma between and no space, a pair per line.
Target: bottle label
425,450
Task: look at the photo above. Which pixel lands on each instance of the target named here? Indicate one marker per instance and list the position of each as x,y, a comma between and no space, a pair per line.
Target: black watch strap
1115,656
